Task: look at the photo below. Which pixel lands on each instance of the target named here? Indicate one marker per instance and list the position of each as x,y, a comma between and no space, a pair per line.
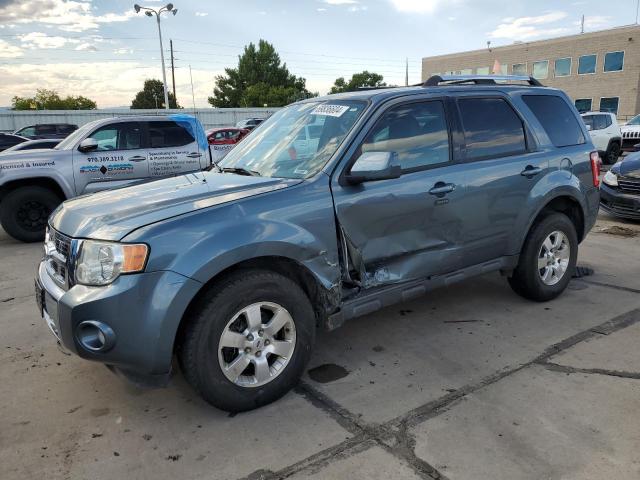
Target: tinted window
563,67
557,119
66,129
417,132
491,128
588,121
613,61
609,104
587,64
168,134
27,131
118,136
597,122
7,141
46,129
583,105
34,146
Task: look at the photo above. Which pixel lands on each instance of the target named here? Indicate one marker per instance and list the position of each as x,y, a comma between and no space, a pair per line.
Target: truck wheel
24,212
248,340
612,154
547,260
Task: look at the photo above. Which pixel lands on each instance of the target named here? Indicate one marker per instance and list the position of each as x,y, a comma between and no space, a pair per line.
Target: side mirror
88,145
372,166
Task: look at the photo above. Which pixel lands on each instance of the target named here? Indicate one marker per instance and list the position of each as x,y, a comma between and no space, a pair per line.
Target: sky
103,50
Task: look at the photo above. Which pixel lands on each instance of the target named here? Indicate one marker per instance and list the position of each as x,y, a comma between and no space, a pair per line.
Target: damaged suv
398,191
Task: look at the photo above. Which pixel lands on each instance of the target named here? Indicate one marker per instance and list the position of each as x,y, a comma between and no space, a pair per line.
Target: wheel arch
45,182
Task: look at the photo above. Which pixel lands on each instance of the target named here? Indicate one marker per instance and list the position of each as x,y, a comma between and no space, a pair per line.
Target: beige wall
610,84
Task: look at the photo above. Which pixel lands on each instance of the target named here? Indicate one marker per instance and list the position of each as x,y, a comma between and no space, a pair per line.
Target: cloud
341,2
595,22
86,47
201,14
69,16
38,40
357,8
8,50
526,28
418,6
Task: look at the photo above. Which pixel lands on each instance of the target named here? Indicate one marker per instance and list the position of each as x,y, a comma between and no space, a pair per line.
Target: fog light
95,336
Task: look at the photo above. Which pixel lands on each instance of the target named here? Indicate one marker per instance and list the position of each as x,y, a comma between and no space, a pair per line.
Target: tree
51,100
358,80
152,96
260,79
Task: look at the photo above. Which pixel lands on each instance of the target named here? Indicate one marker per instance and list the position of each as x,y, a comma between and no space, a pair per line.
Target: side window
27,132
557,119
119,136
607,121
168,134
417,132
46,130
588,120
600,122
491,128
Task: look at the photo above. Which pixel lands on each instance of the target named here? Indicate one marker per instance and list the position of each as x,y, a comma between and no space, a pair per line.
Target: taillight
595,168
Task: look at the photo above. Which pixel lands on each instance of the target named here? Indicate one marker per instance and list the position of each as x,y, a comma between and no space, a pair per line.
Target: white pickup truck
101,155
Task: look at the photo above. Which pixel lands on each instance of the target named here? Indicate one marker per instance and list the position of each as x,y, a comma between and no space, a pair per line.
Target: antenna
406,72
193,95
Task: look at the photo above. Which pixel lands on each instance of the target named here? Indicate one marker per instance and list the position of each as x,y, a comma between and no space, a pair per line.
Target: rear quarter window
169,134
557,118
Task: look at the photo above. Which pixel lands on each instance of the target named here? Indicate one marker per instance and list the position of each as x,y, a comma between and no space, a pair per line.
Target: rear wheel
248,341
24,212
613,153
547,260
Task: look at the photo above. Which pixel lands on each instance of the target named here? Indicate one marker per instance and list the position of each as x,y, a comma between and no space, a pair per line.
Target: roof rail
436,80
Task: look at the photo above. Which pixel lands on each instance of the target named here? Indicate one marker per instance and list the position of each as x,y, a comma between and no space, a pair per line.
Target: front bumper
619,204
143,311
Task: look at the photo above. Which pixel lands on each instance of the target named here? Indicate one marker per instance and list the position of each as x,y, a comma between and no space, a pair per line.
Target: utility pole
173,72
406,73
637,10
582,25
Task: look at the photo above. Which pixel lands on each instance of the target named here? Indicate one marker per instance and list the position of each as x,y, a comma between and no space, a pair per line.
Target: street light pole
150,12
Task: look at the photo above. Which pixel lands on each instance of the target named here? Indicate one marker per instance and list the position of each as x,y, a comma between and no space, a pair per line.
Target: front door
406,228
120,158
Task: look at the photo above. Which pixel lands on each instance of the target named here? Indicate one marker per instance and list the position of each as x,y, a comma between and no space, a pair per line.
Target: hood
629,166
112,214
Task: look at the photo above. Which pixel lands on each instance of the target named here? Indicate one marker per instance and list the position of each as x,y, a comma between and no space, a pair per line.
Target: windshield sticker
330,110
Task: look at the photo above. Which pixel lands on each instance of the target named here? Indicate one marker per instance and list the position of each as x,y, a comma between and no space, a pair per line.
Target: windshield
634,121
297,141
72,139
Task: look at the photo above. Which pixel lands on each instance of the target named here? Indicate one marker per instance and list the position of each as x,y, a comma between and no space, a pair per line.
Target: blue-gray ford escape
333,208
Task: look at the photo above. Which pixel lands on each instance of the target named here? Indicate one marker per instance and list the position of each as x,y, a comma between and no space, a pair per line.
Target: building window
541,69
482,71
519,69
466,71
609,104
504,70
614,61
563,67
587,64
583,105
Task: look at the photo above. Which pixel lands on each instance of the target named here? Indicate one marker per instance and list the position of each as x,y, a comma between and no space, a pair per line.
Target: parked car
631,134
605,134
620,189
249,123
409,189
47,130
221,140
8,140
103,154
32,145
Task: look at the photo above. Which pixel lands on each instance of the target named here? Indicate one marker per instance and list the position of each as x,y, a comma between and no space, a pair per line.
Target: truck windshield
297,141
73,138
634,121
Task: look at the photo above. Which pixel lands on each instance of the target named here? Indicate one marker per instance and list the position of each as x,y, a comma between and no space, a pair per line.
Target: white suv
605,134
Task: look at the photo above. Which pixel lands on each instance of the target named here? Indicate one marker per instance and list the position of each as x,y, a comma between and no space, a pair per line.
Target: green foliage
50,100
152,96
260,79
358,80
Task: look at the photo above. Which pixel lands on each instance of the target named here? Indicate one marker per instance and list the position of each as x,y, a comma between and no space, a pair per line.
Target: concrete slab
405,356
539,424
372,464
618,351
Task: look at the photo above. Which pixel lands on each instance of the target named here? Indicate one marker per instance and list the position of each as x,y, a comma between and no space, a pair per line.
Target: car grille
57,251
632,134
629,186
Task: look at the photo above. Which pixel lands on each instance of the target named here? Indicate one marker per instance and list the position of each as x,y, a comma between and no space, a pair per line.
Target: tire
612,154
527,279
24,212
202,359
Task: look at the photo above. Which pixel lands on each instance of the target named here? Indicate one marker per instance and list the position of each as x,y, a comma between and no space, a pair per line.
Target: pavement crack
555,367
610,285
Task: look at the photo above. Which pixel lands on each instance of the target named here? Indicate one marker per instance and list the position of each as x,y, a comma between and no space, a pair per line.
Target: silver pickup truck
103,154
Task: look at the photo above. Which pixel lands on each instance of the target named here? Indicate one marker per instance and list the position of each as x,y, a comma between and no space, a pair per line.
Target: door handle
137,158
194,155
530,171
440,189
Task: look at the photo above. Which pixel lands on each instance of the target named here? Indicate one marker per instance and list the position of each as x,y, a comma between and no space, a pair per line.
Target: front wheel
547,260
248,341
24,212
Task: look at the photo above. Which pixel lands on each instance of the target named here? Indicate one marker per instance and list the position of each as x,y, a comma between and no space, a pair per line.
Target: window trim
528,144
590,104
555,72
624,55
526,68
141,125
606,111
595,67
533,66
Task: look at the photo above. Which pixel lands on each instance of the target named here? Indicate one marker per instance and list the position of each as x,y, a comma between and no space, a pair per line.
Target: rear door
173,148
120,159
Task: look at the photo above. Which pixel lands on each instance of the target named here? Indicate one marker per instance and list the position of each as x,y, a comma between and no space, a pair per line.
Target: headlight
610,179
100,263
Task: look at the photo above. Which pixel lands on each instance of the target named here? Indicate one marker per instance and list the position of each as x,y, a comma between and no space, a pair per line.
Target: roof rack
436,80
